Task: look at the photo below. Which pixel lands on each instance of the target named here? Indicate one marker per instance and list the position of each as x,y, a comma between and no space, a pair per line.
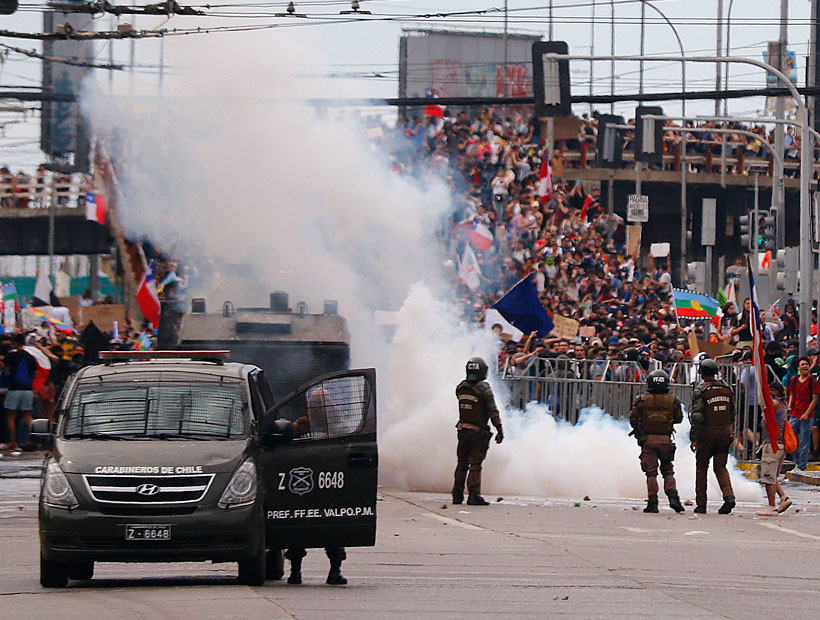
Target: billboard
63,132
464,64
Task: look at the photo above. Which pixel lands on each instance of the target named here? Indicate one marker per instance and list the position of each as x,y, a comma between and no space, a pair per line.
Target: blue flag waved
522,309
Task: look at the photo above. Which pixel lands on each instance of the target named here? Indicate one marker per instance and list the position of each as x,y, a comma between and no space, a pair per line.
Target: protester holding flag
771,462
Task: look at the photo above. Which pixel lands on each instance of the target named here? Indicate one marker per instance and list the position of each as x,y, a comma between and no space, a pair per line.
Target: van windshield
208,410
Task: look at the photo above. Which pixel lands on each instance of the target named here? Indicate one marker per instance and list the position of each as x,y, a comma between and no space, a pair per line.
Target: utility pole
551,39
643,48
592,53
612,62
506,58
719,66
780,109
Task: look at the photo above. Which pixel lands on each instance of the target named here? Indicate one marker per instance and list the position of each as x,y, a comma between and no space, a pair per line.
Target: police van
172,456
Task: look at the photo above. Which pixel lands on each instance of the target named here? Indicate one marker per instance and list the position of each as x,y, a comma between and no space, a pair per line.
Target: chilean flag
587,202
764,396
95,207
38,381
477,233
545,179
147,296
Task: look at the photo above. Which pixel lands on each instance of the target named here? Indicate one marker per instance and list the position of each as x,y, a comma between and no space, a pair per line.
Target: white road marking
456,522
789,531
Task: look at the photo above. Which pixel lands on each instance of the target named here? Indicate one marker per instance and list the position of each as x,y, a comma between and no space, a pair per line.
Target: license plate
147,532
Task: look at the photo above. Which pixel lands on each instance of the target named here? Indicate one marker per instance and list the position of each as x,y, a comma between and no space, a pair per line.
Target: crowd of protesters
26,191
575,250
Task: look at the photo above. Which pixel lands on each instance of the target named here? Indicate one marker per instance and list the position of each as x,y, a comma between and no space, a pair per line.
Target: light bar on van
125,356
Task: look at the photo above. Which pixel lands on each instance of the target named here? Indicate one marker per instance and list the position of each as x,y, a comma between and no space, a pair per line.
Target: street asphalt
518,558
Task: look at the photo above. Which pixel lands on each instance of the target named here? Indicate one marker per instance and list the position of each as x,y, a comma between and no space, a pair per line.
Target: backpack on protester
21,374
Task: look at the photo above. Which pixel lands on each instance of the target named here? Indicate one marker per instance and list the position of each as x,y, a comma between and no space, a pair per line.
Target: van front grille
148,490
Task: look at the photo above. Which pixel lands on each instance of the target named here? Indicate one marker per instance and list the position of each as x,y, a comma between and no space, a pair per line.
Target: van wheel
81,570
52,574
274,564
252,569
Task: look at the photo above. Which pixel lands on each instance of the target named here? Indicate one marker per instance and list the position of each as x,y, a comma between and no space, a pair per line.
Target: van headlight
56,490
241,490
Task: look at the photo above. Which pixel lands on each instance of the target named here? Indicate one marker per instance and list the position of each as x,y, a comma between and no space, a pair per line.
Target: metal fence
567,386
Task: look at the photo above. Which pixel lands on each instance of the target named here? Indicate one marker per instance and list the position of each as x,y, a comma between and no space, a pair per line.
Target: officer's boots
728,504
477,500
295,577
458,497
674,501
335,577
651,504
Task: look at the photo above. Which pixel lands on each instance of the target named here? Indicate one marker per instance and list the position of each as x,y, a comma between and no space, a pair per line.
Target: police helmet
476,369
708,367
657,382
696,418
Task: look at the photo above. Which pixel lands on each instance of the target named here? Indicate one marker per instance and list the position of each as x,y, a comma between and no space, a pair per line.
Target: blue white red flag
95,207
147,296
764,396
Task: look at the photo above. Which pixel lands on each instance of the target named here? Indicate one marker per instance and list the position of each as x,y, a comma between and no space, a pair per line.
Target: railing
68,192
567,386
707,161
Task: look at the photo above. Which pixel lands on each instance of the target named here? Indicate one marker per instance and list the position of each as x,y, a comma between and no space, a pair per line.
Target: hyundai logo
148,489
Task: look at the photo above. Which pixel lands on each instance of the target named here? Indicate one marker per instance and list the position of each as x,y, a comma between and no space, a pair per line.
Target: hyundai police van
182,456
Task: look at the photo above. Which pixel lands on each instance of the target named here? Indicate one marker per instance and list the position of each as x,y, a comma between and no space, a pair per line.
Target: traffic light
767,232
648,135
550,79
610,146
745,222
786,265
7,7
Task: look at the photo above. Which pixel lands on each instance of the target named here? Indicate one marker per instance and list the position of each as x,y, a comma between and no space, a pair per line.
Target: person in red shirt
803,390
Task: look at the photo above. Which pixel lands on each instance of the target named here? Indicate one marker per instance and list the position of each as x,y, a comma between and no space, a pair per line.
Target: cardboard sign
659,250
73,305
564,327
637,208
103,316
587,331
633,240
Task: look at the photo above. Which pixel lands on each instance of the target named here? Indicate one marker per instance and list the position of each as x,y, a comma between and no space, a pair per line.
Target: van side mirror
40,431
277,431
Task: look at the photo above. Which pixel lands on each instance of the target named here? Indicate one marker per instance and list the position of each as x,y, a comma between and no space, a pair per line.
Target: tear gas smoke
540,456
260,197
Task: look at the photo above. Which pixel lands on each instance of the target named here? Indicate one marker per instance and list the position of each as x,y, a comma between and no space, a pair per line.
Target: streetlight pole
680,45
612,54
719,66
728,51
779,138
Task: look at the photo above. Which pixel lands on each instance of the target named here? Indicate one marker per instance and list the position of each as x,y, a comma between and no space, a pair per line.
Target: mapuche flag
763,395
689,305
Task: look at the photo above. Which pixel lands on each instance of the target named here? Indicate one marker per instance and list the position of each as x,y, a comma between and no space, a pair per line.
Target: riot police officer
713,418
476,406
653,418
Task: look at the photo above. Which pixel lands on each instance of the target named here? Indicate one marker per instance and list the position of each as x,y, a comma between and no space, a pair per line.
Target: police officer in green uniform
713,418
476,406
653,418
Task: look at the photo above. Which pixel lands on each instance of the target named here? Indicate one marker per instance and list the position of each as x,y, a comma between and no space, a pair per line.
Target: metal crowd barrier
566,386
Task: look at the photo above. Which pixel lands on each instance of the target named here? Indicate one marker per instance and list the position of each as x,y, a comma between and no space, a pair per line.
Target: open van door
320,469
